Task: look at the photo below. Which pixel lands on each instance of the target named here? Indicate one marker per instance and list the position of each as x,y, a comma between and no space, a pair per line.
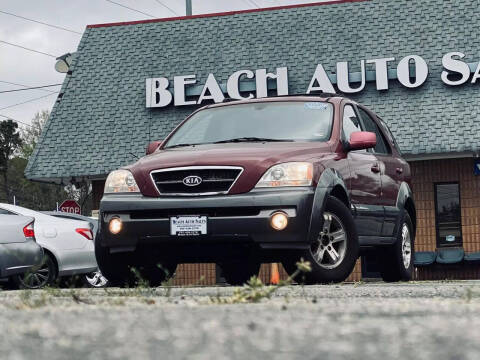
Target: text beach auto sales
411,72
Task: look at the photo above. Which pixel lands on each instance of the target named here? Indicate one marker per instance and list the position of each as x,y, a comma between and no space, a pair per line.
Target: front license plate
188,225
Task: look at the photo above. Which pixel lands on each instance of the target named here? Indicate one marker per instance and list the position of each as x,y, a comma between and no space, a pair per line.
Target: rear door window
370,125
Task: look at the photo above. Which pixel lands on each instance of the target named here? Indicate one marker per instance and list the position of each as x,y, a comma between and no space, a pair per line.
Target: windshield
263,121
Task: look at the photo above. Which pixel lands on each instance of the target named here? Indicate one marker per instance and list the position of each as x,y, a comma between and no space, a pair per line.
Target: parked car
93,279
19,251
263,180
67,244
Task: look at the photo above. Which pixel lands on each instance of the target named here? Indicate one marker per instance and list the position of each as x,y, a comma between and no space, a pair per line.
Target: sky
32,69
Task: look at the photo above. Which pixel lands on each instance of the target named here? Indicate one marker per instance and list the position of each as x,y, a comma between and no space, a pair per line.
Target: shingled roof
101,119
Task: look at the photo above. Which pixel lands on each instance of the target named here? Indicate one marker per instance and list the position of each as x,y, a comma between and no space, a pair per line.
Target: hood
254,158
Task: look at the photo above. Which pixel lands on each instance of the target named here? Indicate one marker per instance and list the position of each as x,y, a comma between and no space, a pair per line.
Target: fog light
279,221
115,226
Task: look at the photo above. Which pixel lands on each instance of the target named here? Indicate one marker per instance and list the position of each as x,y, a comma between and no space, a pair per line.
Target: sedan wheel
95,279
38,277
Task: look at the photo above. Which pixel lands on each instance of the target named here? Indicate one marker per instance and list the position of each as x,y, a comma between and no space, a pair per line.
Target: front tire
397,260
127,270
334,252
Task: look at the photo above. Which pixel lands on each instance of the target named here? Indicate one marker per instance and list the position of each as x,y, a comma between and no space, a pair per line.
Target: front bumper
233,219
18,258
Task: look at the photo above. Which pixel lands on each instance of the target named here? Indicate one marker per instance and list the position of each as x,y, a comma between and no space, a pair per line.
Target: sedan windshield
262,121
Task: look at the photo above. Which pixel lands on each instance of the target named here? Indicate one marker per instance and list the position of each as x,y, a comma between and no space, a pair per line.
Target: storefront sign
411,72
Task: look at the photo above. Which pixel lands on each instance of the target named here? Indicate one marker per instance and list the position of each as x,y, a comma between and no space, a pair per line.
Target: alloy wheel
96,279
330,247
36,278
406,246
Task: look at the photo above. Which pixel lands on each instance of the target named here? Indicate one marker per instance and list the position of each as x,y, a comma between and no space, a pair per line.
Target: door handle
399,170
375,168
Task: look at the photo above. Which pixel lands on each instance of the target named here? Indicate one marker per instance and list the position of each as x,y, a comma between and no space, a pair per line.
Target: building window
448,215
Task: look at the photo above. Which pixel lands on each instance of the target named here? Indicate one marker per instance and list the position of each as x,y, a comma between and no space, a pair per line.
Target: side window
6,212
351,122
389,134
370,125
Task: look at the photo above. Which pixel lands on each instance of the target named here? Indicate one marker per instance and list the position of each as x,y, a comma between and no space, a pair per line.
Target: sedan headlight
121,181
288,174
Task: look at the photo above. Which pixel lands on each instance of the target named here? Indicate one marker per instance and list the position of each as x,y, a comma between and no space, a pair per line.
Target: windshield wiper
250,139
179,145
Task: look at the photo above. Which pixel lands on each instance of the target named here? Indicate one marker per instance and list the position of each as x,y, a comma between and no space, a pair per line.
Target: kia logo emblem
192,180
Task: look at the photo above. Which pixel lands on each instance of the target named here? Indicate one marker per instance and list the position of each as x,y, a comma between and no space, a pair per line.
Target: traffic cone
274,274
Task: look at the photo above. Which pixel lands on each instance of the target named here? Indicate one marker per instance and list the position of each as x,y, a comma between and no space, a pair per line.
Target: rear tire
334,252
38,276
396,262
238,272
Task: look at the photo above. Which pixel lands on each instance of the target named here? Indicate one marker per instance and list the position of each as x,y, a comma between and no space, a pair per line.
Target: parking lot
429,320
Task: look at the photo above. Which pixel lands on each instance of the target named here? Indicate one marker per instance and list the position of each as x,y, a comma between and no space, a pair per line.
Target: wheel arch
330,183
49,252
406,202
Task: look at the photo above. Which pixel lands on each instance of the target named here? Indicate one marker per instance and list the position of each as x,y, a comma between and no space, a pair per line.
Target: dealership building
415,63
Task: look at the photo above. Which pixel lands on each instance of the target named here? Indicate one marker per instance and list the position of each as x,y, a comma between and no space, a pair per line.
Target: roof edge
228,13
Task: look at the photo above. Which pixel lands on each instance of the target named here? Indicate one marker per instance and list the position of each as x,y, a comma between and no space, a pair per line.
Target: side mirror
153,146
360,140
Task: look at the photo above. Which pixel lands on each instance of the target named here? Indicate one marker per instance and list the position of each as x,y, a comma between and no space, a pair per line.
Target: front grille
214,180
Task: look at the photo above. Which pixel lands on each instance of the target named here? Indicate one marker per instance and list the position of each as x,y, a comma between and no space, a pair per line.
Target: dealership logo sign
411,72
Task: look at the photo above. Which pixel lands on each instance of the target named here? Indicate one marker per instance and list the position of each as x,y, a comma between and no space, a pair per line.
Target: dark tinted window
389,134
448,214
351,122
370,125
6,212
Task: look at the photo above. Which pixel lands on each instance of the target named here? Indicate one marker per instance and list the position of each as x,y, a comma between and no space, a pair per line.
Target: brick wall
425,174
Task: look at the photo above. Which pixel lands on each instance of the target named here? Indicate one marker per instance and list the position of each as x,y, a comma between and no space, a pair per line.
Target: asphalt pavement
425,320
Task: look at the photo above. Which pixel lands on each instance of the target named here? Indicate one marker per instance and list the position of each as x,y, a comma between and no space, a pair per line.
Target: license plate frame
188,225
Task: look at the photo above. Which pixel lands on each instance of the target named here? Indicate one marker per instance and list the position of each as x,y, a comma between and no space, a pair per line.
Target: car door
364,183
391,170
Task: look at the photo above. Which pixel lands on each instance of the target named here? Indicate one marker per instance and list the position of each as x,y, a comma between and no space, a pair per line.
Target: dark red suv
264,180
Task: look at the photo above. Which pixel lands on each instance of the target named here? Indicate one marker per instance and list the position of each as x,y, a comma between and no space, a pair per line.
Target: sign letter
421,71
457,66
381,72
262,78
233,85
211,85
179,83
324,83
343,80
156,92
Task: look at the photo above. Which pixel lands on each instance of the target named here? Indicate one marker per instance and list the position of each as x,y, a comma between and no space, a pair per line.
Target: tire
125,270
39,276
115,267
334,253
237,273
393,266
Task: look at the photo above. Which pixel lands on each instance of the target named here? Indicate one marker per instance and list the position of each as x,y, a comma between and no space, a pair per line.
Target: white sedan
68,248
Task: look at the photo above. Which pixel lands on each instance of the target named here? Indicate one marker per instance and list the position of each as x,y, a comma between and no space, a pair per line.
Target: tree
10,142
31,134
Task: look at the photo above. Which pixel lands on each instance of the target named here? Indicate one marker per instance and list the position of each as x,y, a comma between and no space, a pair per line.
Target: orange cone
274,274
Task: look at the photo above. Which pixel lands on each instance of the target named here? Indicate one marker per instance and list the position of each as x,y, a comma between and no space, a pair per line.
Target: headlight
121,181
288,174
